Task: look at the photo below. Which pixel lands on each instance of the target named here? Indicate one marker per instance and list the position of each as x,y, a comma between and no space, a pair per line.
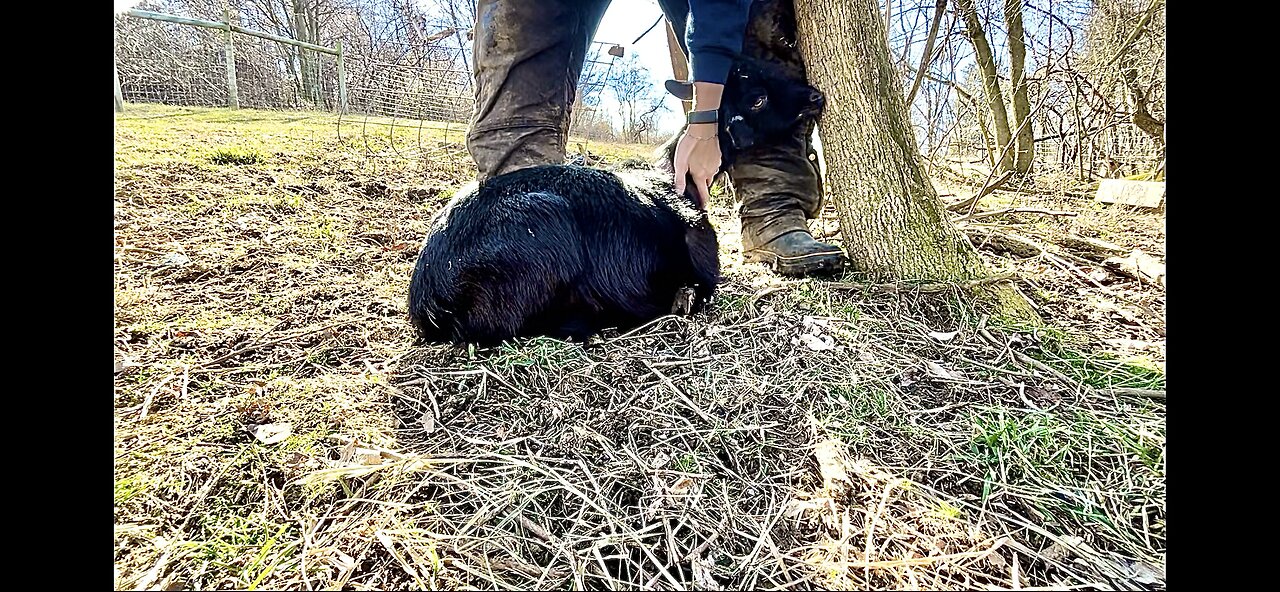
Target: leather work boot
797,253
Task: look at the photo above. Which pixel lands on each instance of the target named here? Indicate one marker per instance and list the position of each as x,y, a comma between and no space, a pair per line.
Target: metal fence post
233,94
342,81
119,97
679,63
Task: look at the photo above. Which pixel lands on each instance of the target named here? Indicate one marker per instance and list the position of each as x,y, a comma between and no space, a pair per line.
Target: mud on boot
797,253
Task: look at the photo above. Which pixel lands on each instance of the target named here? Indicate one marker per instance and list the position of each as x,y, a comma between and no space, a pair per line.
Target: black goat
565,250
559,250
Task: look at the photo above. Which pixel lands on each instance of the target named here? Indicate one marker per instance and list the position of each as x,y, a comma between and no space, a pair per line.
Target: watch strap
710,116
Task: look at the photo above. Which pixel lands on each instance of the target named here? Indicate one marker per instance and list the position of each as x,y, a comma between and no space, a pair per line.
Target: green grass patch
247,548
1102,370
1079,469
129,487
538,352
236,155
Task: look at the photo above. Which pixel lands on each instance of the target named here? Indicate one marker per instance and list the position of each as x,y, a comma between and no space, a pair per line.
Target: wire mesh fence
407,99
588,117
171,63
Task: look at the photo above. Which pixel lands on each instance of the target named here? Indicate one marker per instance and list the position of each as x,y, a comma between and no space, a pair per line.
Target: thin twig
924,287
253,347
978,215
1136,392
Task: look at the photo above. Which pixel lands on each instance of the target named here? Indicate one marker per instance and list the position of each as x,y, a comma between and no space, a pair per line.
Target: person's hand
698,156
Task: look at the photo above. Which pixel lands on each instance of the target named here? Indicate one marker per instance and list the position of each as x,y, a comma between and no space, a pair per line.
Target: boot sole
828,262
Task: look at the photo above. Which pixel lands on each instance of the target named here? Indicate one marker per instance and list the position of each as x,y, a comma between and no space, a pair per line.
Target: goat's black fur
566,251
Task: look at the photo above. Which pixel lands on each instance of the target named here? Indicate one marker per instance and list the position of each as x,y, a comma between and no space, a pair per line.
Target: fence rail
404,96
424,78
229,27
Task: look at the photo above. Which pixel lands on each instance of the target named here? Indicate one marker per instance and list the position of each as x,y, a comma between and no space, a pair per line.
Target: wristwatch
710,116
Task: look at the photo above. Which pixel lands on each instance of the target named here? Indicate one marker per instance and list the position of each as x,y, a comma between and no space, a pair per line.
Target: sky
626,20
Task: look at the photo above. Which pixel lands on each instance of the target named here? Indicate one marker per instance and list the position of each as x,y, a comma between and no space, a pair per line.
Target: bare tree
640,102
1024,134
1126,45
304,21
1081,82
990,80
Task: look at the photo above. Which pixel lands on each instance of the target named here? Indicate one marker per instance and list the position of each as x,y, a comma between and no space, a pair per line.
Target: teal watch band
704,116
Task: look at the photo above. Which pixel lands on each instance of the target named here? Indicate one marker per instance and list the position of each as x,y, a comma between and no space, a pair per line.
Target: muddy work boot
797,253
779,184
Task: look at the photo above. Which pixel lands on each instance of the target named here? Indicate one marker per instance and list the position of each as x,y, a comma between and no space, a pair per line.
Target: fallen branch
977,215
1092,248
1021,246
539,531
925,287
1086,194
1136,392
968,204
1006,242
1139,266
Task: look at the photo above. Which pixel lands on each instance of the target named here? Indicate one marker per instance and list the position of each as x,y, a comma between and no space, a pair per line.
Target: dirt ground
276,426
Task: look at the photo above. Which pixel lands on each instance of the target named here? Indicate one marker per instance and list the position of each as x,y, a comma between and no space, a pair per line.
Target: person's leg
779,185
528,56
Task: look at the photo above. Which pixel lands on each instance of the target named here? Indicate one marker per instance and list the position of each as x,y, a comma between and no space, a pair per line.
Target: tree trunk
894,224
306,24
990,82
927,56
1141,116
1026,150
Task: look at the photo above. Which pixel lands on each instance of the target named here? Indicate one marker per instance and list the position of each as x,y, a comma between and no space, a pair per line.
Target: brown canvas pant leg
779,185
528,57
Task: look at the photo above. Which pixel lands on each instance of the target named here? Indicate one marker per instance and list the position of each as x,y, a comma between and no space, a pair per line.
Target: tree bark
307,27
990,81
1141,116
1025,153
895,226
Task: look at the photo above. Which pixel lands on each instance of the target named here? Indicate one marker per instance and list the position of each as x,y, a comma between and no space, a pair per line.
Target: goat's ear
682,89
740,134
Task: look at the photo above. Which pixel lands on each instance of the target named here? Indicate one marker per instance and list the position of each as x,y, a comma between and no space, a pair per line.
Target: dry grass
261,267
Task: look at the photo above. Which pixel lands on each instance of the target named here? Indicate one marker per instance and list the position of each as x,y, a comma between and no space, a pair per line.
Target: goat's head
760,104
